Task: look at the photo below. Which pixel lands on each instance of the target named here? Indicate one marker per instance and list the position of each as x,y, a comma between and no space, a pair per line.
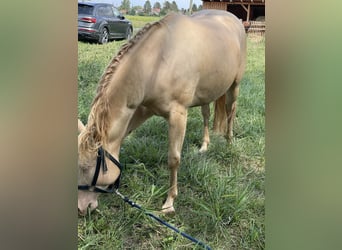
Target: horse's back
215,14
206,36
229,37
231,23
198,58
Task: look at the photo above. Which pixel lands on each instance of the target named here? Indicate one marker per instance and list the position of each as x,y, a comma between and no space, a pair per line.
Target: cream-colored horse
169,66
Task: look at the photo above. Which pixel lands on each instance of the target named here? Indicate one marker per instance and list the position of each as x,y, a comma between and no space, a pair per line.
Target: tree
136,10
147,7
157,5
125,5
174,6
156,9
194,7
166,8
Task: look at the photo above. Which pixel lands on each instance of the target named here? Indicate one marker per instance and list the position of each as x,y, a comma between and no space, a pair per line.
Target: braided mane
98,121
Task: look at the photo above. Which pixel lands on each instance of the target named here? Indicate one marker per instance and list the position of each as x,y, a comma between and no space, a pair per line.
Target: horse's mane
98,121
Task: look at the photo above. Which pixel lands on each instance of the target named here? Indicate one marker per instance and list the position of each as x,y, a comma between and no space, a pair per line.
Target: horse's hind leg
177,127
206,140
231,103
220,116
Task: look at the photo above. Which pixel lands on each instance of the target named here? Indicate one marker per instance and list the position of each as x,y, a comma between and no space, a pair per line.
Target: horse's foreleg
206,114
140,116
177,127
232,95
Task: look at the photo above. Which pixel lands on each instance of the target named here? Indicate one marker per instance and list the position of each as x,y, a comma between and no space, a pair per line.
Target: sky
180,3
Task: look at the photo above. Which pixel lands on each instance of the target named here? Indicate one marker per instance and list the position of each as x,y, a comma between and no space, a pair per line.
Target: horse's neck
126,89
122,102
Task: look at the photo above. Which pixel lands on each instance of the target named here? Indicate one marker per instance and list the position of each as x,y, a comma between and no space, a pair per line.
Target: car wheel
104,36
128,33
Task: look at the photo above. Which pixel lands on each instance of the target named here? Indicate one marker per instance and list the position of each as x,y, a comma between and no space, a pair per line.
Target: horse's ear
81,126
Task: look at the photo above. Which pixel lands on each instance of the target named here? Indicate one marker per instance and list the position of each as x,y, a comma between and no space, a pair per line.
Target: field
221,192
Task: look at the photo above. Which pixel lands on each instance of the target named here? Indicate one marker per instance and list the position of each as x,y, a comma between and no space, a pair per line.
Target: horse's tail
220,116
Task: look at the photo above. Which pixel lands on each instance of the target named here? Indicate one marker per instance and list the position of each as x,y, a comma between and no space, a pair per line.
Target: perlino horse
169,66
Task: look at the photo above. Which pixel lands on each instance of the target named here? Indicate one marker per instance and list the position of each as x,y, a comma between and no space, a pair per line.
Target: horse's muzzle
91,206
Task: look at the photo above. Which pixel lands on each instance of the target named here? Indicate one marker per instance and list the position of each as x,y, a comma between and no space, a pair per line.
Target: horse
169,66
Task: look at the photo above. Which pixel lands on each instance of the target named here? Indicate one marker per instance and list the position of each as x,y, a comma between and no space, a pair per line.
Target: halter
101,154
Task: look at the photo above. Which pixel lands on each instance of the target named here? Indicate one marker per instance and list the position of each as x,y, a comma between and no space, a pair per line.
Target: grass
221,193
139,21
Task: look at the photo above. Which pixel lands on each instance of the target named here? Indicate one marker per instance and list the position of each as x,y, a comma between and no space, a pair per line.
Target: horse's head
86,167
94,176
86,170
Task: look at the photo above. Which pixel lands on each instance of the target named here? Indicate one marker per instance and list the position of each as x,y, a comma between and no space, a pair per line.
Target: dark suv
102,22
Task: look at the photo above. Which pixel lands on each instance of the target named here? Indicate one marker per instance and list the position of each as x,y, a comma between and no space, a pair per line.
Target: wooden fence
255,27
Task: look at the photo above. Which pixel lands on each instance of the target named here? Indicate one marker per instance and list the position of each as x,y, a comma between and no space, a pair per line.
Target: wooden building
247,10
251,12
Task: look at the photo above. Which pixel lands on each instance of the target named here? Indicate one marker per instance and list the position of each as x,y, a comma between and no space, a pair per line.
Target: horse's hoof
203,149
168,210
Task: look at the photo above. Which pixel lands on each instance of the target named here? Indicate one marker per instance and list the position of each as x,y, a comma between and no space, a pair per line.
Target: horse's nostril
80,212
93,205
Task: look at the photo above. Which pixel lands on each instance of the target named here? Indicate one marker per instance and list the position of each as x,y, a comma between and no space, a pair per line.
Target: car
102,22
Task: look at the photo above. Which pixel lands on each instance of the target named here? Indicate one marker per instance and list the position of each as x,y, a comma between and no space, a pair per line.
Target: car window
108,12
116,12
85,9
100,11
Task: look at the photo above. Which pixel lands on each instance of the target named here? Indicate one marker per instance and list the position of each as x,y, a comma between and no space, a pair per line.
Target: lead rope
133,204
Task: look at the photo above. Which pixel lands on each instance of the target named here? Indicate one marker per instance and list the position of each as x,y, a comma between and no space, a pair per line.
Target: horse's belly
211,88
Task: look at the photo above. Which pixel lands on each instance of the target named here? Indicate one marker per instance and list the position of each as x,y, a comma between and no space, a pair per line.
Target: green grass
92,60
221,193
139,21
